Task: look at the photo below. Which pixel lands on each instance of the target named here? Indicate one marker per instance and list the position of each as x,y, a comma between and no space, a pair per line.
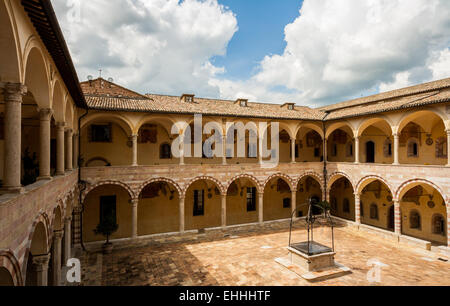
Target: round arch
57,222
337,125
58,102
310,126
282,176
369,122
36,75
11,265
282,126
365,181
166,122
159,180
205,178
406,186
251,178
120,120
336,176
102,183
69,114
11,64
412,115
318,178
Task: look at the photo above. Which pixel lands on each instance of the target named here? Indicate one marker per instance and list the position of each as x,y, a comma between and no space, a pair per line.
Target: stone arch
156,180
120,120
110,182
57,222
310,126
370,121
312,174
11,64
58,102
414,114
165,122
10,263
336,176
407,185
251,178
282,126
40,227
36,74
370,179
204,178
338,125
284,177
69,113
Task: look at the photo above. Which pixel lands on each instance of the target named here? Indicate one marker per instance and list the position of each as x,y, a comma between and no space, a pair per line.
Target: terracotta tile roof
113,97
416,100
417,89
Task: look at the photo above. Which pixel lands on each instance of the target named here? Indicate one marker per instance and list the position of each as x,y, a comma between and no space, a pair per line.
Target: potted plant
107,227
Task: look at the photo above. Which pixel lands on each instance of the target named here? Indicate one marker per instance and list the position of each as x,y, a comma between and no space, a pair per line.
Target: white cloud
162,46
342,49
336,49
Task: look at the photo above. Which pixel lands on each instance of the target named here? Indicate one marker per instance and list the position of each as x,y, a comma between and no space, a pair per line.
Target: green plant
107,227
324,206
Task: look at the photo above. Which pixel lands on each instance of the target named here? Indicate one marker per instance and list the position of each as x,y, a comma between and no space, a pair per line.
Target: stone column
67,239
261,207
76,151
40,265
182,150
397,217
224,210
325,150
448,148
181,214
134,162
293,150
60,148
294,204
57,237
224,150
357,150
12,93
134,218
357,208
448,224
396,148
44,140
68,150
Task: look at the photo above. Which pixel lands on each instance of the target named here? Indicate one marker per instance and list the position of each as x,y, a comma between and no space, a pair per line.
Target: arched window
374,211
438,225
414,220
413,147
349,149
387,148
346,205
441,147
165,151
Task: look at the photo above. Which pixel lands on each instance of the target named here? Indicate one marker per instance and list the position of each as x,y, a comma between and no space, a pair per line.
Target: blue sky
261,32
262,50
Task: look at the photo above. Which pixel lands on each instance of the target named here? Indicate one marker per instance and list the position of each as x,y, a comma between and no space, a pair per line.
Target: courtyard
246,257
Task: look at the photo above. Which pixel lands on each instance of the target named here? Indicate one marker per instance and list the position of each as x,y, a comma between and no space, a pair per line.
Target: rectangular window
251,199
199,201
297,150
317,152
108,208
101,133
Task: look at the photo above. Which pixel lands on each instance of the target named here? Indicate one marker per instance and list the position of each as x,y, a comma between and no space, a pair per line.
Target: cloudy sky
311,52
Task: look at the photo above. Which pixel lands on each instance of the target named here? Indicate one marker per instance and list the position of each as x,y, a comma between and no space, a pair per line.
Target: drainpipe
325,171
81,183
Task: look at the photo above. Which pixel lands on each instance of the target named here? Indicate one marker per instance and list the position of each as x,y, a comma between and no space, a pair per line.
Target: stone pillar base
44,178
12,190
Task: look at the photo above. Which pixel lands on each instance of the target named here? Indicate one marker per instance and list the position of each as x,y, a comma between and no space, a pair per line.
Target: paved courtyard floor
246,258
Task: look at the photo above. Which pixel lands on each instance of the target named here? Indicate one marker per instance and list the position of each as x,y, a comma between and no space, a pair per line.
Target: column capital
45,113
60,125
134,136
13,92
59,234
69,131
40,262
448,132
68,219
134,202
396,135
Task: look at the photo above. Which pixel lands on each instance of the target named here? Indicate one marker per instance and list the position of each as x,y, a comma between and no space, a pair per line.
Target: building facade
72,152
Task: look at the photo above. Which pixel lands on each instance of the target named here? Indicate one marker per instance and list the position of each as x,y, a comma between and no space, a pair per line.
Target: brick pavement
247,258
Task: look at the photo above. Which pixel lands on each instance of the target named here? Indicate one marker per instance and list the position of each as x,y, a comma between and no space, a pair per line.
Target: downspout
325,156
81,183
